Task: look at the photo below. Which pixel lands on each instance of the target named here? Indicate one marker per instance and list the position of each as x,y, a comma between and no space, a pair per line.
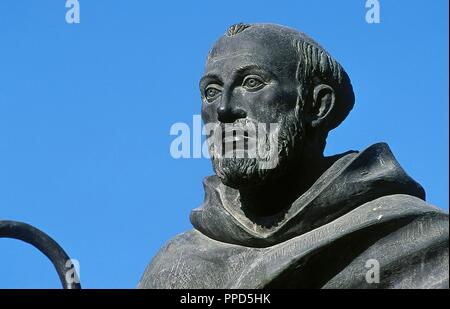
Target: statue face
249,82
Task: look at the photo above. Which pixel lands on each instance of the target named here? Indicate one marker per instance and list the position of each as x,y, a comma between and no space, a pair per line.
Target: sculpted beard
275,149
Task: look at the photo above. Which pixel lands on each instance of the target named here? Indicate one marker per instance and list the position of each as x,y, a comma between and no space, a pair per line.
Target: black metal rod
44,243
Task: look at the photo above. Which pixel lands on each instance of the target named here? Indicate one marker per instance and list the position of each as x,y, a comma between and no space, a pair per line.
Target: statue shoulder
412,251
406,203
170,260
193,260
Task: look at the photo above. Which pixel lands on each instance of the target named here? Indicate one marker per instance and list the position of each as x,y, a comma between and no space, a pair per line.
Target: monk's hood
353,180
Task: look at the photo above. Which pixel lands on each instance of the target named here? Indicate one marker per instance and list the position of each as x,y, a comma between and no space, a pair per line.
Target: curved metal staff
44,243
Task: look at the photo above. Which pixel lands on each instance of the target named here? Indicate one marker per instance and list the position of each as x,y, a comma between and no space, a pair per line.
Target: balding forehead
265,44
229,56
226,65
280,56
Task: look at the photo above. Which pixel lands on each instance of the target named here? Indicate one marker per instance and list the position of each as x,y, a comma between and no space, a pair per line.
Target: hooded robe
363,224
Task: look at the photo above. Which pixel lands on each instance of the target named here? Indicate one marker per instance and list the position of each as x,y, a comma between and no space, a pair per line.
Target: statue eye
253,82
211,93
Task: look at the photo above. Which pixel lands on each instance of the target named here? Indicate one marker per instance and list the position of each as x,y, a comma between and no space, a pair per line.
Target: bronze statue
294,218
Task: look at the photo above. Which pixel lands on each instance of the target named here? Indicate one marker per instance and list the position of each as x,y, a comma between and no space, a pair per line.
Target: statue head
262,74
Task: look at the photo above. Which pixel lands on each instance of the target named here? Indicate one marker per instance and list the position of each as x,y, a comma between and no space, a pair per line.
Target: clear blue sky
86,109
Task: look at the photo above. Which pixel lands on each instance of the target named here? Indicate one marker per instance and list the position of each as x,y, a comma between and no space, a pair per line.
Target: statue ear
323,104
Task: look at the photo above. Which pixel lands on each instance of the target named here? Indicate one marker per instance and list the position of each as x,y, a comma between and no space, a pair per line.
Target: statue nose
226,113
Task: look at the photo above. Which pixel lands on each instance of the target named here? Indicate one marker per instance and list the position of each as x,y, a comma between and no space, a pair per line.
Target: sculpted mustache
264,146
247,128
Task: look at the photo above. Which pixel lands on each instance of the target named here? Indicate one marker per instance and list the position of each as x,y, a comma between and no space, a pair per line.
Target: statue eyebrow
246,68
210,77
240,70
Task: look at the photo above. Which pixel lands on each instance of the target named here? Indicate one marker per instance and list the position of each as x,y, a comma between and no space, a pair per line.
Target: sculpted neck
271,198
